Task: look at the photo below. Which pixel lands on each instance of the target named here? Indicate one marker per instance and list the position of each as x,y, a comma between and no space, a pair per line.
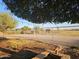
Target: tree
7,21
26,28
41,11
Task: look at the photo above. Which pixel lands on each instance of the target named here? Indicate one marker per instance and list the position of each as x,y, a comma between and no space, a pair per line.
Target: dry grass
61,32
32,45
18,45
25,43
64,32
69,33
21,43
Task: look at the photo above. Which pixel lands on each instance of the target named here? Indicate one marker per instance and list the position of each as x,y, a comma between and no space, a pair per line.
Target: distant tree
7,21
26,28
41,11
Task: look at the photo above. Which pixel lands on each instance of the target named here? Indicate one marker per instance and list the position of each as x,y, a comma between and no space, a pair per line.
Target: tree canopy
41,11
7,21
26,28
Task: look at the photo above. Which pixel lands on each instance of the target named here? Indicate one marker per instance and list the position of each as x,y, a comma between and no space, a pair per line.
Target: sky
22,22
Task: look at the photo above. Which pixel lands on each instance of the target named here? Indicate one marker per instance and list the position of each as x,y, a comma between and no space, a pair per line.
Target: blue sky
22,22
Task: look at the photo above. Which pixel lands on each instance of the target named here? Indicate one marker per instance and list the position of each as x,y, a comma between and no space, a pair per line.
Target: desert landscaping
14,47
39,29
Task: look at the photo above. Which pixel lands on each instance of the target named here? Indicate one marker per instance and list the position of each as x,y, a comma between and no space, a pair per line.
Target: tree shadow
25,54
22,54
52,56
3,39
7,50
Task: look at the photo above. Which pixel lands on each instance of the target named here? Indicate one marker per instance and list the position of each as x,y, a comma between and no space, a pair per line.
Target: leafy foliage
41,11
6,21
25,28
